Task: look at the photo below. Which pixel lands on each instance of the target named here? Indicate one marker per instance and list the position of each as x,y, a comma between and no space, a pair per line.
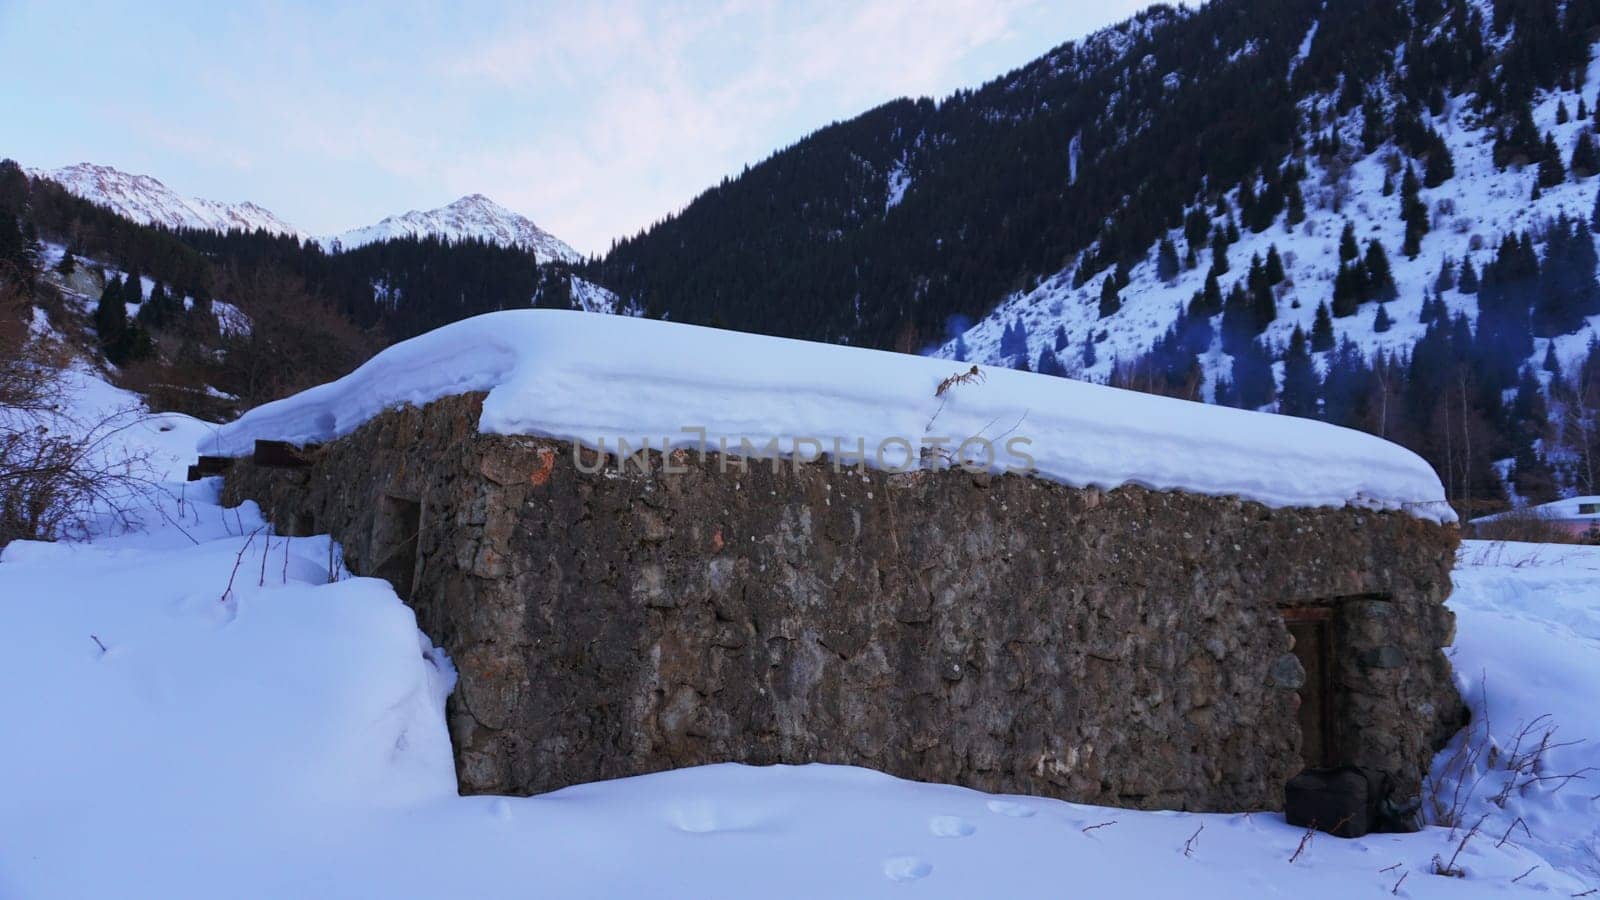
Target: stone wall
1120,647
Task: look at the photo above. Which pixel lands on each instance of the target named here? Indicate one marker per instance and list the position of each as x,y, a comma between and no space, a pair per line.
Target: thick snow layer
175,737
594,379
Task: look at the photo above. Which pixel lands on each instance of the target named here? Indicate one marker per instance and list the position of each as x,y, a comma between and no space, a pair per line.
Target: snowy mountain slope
146,200
1470,213
472,217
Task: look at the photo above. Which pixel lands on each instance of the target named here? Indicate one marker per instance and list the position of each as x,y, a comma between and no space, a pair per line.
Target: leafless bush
1450,869
52,484
52,478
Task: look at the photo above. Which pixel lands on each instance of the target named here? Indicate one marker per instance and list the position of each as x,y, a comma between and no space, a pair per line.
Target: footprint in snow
950,826
906,868
1011,808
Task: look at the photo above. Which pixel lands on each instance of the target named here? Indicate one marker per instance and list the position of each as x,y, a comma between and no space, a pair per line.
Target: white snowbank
1527,660
593,379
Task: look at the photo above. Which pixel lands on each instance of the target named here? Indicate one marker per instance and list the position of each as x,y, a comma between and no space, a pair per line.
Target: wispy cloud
594,119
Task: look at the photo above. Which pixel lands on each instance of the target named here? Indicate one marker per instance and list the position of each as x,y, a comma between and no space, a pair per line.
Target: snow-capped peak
146,200
472,217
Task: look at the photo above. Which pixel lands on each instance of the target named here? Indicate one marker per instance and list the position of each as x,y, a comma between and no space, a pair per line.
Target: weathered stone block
1010,634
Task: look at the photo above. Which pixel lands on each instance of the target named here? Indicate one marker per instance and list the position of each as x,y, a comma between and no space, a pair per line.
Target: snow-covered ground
196,707
200,708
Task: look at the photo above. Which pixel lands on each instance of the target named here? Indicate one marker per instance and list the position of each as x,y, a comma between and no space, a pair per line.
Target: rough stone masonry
1007,633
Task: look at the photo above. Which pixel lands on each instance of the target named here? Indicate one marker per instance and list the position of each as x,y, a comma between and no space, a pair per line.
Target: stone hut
1096,637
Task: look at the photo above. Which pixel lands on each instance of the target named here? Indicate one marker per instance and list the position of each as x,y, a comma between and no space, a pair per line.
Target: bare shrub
1526,526
54,474
52,484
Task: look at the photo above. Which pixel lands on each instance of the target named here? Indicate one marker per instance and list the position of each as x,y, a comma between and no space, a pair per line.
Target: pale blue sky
592,119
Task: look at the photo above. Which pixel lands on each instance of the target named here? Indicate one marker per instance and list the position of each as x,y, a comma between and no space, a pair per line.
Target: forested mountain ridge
1278,205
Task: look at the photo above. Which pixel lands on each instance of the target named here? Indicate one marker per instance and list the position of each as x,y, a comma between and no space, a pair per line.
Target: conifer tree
1238,320
110,316
1566,293
1219,252
1415,214
1167,261
1380,280
1381,322
1561,112
1551,171
1210,297
1196,228
1468,282
1252,376
1297,205
1061,338
1014,340
1263,306
1321,330
1109,301
1299,394
1048,364
1088,350
1349,284
1584,162
133,289
1551,364
1275,273
1446,279
1441,167
1348,250
67,264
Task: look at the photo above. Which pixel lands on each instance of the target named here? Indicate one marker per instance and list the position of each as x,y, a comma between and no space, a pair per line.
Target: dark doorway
1311,628
394,543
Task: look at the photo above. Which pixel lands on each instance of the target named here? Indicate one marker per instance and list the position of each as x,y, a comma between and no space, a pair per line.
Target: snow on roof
592,379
